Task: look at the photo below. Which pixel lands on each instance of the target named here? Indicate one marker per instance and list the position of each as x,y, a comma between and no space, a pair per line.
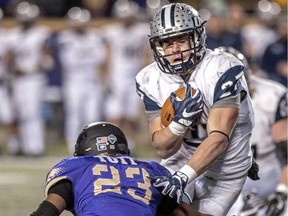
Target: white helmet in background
26,12
78,16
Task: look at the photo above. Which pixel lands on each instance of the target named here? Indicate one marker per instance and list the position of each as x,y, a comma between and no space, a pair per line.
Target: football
167,111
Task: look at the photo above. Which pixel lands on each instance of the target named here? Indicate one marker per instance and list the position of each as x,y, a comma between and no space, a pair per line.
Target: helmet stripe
163,18
167,16
172,15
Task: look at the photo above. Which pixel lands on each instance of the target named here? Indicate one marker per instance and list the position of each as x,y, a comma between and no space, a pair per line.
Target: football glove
276,204
252,204
173,185
187,111
253,171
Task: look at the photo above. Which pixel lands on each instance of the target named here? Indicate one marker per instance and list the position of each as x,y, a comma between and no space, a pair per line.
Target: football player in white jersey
277,202
82,53
6,113
26,64
268,97
219,163
129,51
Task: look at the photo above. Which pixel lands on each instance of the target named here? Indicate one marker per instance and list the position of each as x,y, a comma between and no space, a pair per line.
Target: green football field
22,182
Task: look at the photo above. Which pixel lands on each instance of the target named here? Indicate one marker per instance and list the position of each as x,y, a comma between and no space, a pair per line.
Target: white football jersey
81,54
4,41
217,76
6,111
127,45
259,37
266,97
27,45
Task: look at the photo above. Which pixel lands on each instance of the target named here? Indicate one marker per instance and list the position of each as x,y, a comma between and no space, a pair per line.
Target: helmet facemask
182,65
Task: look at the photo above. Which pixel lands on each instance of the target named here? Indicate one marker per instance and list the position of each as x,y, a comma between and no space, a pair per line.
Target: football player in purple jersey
102,179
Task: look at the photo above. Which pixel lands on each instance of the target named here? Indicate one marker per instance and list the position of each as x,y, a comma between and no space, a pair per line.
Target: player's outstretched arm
53,205
60,196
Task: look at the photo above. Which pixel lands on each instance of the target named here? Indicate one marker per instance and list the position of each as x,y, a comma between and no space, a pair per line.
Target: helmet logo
112,138
169,30
166,31
101,143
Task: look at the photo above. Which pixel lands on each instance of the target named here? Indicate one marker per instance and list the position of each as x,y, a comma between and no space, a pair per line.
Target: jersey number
115,181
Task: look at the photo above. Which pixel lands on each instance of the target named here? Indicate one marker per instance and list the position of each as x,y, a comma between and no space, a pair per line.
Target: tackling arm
60,197
53,205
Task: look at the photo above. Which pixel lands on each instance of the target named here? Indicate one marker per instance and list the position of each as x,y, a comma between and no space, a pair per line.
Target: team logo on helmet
112,138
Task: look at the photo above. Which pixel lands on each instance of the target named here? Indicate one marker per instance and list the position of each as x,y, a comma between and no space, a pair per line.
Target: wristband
177,129
189,172
282,188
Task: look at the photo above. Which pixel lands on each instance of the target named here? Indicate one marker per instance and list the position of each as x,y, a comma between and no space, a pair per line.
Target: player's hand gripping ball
168,112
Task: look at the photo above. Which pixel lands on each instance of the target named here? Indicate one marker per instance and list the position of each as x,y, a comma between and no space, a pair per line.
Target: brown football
167,111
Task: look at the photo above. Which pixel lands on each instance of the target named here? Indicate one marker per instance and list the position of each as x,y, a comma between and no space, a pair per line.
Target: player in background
274,61
6,111
217,167
277,202
129,54
267,97
82,54
102,179
27,62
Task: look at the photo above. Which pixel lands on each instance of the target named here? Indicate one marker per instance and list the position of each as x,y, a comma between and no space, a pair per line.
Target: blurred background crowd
66,63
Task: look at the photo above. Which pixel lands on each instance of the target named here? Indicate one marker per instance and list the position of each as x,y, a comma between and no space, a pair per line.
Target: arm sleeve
229,102
64,188
153,114
46,209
